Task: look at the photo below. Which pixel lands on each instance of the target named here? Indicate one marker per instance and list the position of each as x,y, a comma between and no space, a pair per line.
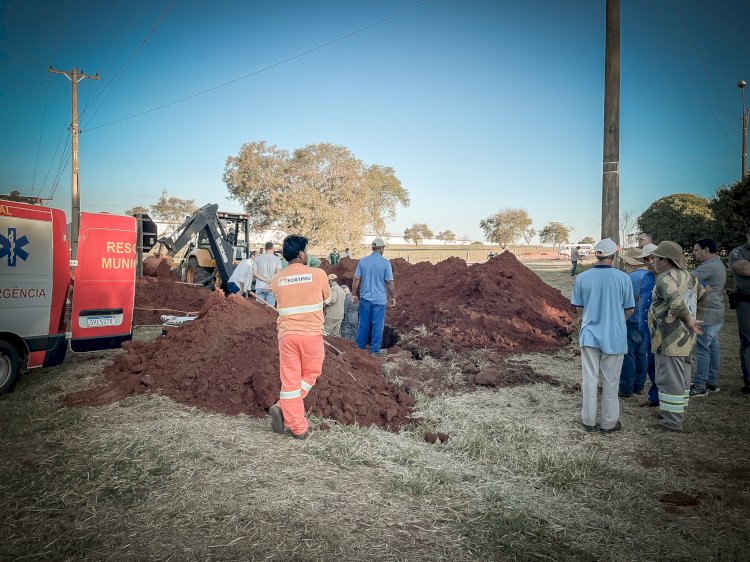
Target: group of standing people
648,322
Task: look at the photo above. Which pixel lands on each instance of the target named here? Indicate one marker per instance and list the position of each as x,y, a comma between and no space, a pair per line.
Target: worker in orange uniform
301,292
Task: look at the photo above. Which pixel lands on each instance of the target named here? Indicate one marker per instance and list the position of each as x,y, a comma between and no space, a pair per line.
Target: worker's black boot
277,419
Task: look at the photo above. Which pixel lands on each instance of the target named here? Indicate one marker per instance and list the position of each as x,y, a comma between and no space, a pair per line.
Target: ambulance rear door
103,282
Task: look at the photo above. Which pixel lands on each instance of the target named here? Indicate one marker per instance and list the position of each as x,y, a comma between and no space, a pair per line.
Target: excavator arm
204,220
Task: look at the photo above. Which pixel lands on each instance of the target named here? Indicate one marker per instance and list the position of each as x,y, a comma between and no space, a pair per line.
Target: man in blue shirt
605,297
373,287
636,361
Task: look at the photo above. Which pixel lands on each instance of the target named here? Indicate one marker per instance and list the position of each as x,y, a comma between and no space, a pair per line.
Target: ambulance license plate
98,321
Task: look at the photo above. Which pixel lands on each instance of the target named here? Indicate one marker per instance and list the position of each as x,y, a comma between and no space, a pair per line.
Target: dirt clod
679,498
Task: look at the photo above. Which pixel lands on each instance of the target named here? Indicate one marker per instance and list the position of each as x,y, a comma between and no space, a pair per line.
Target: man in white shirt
265,267
239,281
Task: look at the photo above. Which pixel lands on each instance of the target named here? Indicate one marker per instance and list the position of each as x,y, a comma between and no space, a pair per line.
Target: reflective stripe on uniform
288,311
289,394
672,402
306,386
687,397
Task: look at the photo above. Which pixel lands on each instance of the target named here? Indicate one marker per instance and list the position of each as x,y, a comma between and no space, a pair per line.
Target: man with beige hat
334,310
678,299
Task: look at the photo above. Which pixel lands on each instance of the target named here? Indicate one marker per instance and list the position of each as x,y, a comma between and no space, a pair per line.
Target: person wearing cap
301,292
604,295
635,363
711,272
673,321
644,303
739,261
575,255
373,288
334,310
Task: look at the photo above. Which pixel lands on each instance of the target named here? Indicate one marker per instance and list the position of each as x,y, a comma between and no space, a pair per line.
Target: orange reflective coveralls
300,292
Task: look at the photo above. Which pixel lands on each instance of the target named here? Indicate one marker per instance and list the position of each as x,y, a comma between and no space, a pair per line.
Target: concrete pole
74,76
744,145
611,152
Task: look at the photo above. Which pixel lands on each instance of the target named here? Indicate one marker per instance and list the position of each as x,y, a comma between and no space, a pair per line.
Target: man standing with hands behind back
373,287
605,297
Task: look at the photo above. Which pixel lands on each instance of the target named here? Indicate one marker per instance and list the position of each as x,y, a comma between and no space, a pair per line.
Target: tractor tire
197,274
10,367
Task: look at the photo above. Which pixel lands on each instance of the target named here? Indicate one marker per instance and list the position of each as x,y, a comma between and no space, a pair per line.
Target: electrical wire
135,53
697,86
700,58
101,86
54,156
97,43
269,67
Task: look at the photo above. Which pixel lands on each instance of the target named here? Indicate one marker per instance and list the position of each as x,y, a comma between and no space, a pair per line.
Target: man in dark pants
739,261
373,287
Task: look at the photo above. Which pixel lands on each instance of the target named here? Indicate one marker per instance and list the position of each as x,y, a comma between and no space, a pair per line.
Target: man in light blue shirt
373,286
605,297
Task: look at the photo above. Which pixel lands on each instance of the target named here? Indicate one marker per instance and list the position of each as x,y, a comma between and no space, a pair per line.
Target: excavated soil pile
499,305
344,270
227,361
157,266
155,296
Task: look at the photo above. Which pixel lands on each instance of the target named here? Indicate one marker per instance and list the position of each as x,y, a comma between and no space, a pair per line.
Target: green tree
730,207
417,232
682,218
321,191
446,236
587,240
506,226
137,209
555,233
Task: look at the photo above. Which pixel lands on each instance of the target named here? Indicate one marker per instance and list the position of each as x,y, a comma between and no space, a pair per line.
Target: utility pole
74,76
611,153
741,85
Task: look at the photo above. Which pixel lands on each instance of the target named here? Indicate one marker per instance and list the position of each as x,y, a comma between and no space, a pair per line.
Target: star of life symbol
12,246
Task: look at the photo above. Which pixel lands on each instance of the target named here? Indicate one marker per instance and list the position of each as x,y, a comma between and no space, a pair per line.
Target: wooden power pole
611,153
74,76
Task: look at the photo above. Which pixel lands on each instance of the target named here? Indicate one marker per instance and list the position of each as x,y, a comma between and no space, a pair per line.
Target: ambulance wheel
196,274
10,366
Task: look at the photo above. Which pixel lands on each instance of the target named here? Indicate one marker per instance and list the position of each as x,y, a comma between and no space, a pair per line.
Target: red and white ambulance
43,304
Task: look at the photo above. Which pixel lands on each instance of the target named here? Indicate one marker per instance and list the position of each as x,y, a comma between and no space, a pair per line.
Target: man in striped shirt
300,292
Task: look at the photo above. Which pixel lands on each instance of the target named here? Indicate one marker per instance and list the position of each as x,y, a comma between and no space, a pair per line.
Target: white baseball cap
648,249
606,247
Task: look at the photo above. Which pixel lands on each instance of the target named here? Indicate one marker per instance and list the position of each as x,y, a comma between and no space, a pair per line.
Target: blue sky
477,105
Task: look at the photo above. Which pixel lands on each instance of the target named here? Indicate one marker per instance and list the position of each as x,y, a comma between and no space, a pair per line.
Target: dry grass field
519,479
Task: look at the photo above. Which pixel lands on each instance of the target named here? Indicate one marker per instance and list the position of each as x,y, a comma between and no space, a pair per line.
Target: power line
52,161
135,53
697,86
700,58
256,72
100,88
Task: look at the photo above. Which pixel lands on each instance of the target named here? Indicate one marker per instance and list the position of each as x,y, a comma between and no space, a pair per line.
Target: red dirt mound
500,305
344,270
157,266
155,296
227,361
